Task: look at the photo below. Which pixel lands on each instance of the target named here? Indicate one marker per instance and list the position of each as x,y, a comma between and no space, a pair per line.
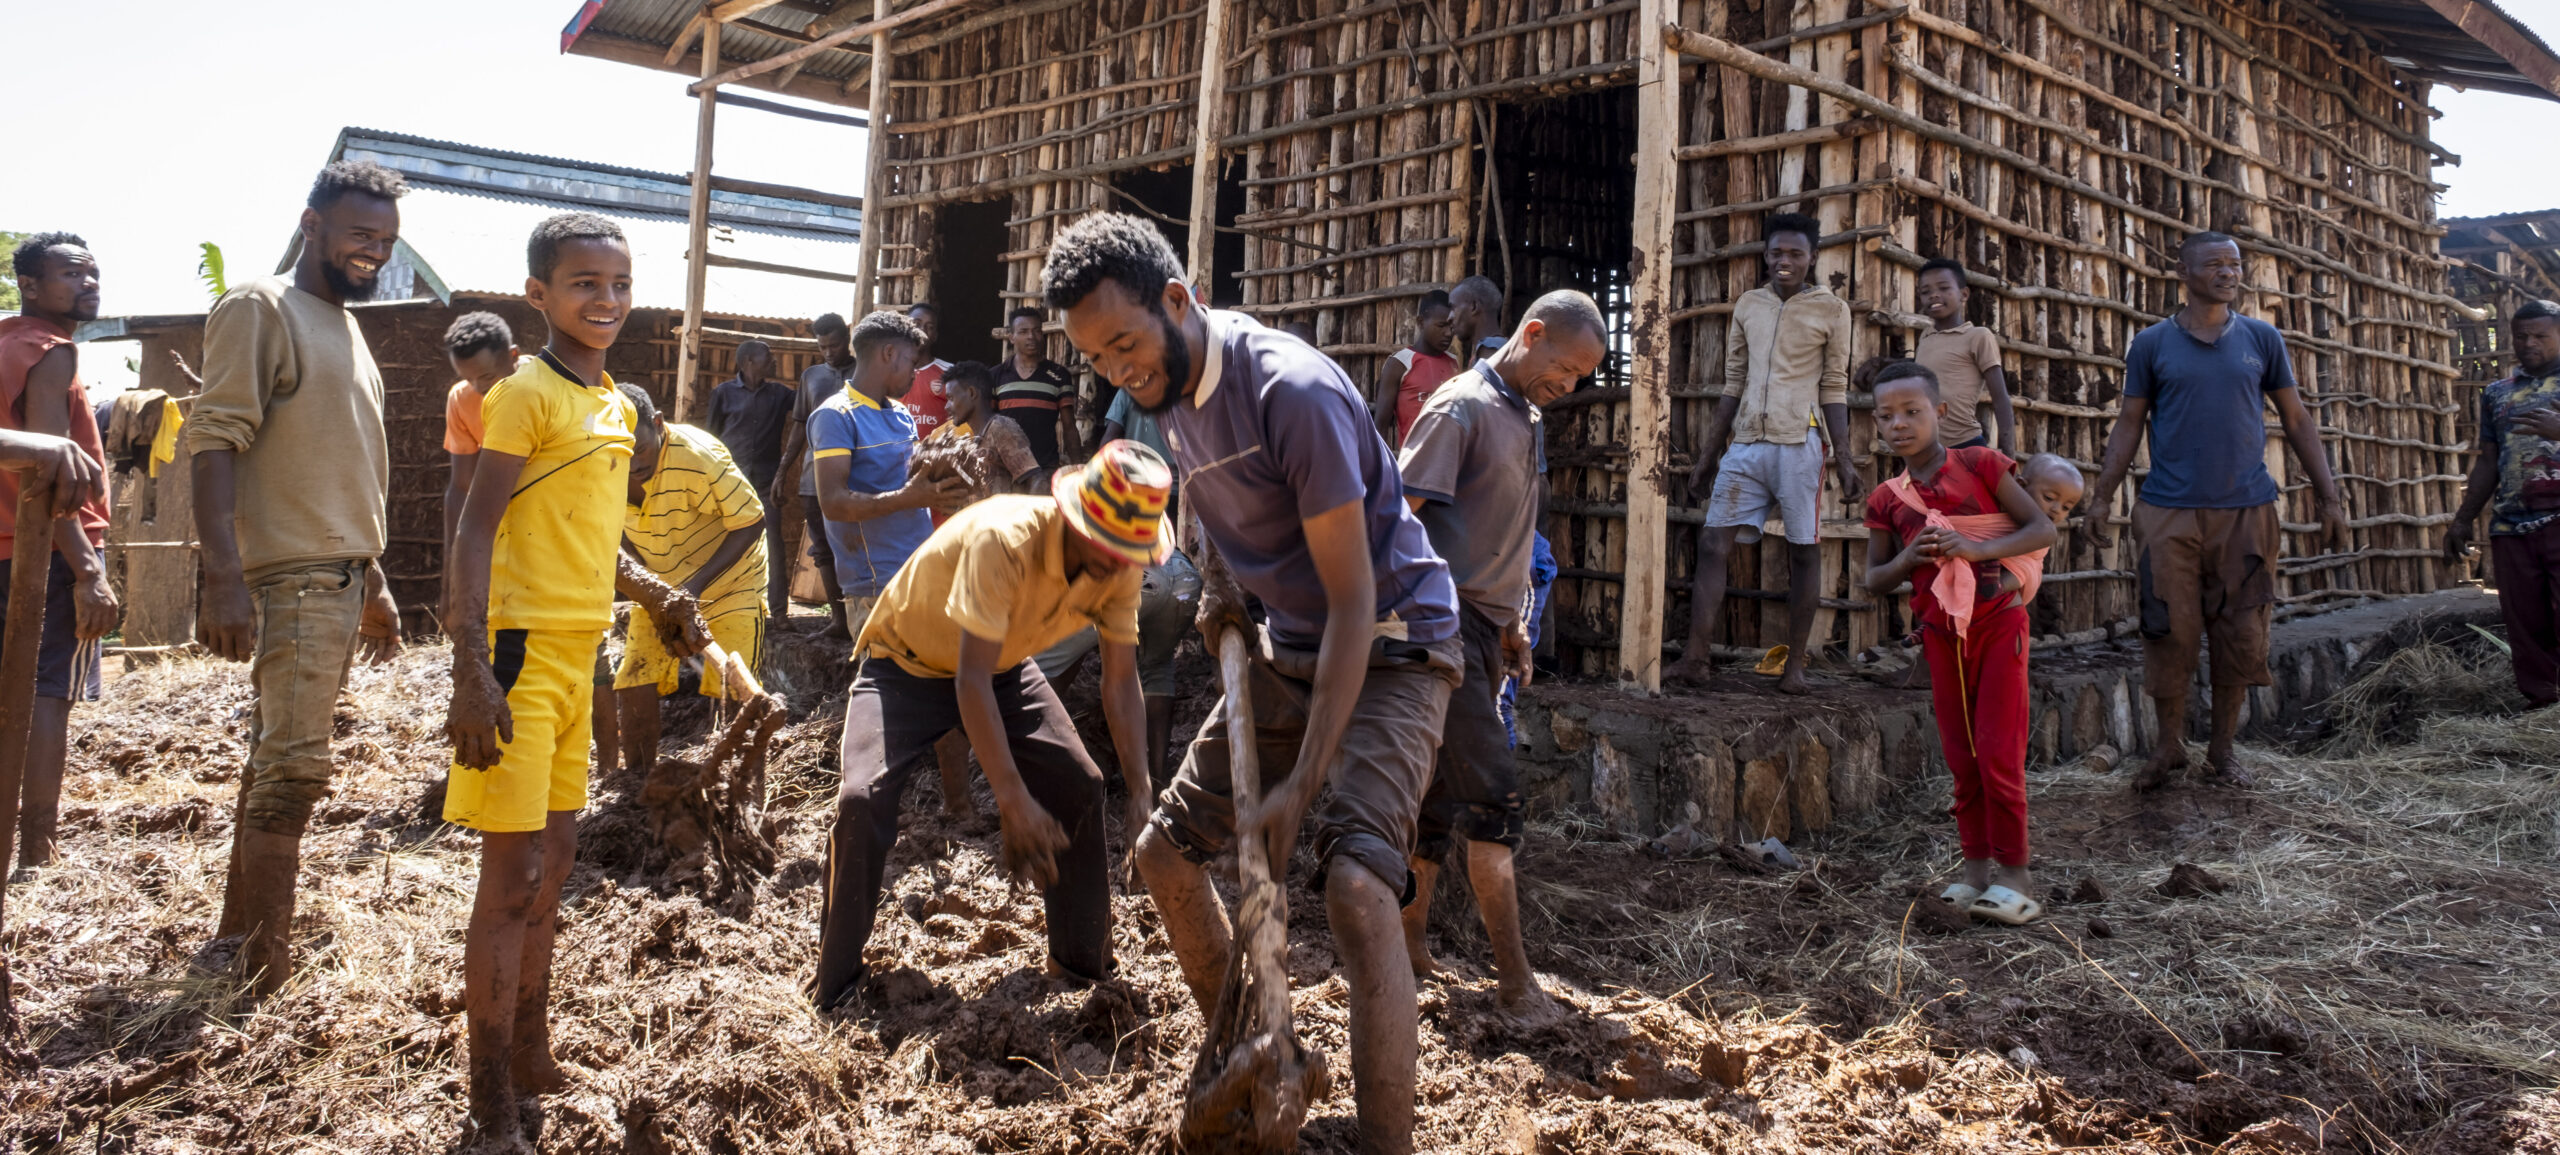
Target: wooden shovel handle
32,557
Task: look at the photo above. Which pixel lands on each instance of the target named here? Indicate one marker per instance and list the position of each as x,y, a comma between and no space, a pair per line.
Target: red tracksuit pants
1979,691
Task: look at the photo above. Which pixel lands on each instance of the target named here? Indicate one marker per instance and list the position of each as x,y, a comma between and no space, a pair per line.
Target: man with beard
290,468
1292,485
40,392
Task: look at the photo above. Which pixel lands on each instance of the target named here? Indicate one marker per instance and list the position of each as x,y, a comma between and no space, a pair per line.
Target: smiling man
1294,488
2199,383
290,466
1472,472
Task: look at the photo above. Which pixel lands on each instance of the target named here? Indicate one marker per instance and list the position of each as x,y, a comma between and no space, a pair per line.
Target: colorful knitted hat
1117,501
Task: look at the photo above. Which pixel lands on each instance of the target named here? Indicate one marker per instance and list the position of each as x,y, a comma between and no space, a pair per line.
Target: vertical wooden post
875,169
697,252
1204,156
1641,602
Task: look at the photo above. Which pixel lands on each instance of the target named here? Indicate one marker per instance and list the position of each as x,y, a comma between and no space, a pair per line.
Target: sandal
2003,905
1960,896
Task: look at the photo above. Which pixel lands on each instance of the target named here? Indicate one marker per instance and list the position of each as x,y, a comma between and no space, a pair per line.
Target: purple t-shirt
1276,434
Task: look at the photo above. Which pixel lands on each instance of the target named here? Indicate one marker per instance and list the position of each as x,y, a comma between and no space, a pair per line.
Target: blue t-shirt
877,442
1276,434
2208,412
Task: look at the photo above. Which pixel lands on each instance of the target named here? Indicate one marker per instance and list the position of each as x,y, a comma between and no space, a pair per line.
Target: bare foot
2164,767
535,1073
959,809
1691,672
1427,967
836,628
1793,681
2226,769
1530,1007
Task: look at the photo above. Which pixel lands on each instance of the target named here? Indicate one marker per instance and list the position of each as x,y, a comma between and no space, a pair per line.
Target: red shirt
1969,483
925,400
23,342
1423,373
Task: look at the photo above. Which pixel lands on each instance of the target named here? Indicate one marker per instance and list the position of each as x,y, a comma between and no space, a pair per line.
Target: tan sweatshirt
291,387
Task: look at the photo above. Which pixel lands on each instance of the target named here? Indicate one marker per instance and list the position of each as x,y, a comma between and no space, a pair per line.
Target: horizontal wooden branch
1819,134
1332,170
927,10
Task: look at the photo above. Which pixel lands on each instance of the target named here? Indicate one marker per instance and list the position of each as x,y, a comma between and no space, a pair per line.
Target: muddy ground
2375,973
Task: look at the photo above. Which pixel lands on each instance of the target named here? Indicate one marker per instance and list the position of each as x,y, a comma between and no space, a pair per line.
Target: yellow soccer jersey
694,501
552,566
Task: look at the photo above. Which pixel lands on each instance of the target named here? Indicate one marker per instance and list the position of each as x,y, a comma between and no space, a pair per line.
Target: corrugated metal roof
2472,43
563,183
640,32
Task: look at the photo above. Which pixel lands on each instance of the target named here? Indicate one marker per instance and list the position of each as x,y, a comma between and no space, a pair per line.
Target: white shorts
1758,478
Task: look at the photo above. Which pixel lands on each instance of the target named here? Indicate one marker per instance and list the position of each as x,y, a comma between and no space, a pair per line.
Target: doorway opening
1565,208
968,279
1165,195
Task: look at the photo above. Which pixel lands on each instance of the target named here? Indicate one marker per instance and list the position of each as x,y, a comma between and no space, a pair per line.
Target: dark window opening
1567,203
968,280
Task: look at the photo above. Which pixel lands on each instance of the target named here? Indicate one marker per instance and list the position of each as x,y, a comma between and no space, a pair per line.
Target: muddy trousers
1978,690
892,719
306,619
2528,572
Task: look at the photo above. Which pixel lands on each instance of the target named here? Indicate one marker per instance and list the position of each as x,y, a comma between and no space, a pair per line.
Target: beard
1177,364
346,286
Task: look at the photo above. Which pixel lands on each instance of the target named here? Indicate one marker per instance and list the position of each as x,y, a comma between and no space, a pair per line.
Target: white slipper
1960,896
2003,905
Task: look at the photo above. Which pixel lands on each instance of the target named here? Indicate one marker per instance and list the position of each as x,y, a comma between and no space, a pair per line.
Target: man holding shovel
1301,501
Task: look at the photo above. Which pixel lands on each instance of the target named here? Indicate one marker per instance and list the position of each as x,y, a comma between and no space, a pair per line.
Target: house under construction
1330,161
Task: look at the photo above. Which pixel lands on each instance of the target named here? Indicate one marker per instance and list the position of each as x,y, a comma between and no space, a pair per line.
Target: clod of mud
2089,892
2099,928
1931,916
2188,880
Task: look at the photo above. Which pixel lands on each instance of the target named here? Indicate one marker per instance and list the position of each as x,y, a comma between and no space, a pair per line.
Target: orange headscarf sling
1954,586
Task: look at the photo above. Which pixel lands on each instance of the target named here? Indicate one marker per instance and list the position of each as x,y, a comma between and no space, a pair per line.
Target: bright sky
191,122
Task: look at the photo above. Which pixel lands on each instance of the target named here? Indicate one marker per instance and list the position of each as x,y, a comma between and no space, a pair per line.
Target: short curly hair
472,334
28,261
881,327
355,176
1797,223
542,252
1108,247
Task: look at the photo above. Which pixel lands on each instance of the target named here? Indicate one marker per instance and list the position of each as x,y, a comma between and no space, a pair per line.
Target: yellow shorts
549,678
645,661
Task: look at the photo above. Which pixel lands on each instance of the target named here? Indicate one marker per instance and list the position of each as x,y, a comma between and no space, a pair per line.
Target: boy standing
529,593
925,398
967,388
1965,533
483,352
1786,355
2517,479
289,469
694,523
1406,380
1966,358
1297,493
40,392
862,440
950,645
1471,474
1038,392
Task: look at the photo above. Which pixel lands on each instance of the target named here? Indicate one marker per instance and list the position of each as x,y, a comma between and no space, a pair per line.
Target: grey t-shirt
817,383
1473,458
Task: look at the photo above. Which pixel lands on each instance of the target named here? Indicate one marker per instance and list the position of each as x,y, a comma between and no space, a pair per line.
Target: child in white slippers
1961,528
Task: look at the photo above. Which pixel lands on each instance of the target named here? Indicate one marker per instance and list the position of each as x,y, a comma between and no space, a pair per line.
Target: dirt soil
1707,1008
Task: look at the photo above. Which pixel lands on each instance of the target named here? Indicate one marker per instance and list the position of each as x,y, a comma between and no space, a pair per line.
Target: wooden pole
875,169
1641,606
1204,157
697,253
33,555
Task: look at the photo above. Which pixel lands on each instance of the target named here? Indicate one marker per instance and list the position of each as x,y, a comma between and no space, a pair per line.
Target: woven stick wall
2059,147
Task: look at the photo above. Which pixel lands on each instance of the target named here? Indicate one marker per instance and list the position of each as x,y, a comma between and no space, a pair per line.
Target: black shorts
1475,788
66,667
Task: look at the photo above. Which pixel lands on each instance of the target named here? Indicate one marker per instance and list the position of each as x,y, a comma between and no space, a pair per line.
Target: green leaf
9,285
209,270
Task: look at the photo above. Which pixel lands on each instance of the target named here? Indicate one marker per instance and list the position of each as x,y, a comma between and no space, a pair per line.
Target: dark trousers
892,719
2528,573
821,551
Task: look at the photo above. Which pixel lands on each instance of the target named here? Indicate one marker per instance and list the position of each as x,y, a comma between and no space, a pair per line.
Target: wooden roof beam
877,26
2500,34
727,10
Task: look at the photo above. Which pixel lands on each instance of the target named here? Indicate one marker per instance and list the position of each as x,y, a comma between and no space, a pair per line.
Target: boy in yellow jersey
950,646
693,521
529,591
